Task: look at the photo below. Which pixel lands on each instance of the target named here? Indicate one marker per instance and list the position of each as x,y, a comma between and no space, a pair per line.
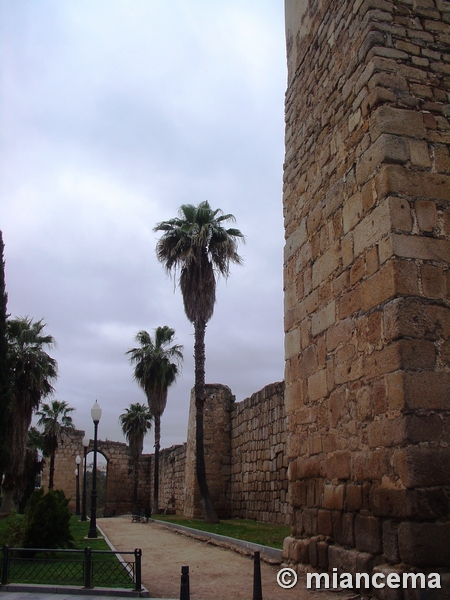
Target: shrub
48,521
14,531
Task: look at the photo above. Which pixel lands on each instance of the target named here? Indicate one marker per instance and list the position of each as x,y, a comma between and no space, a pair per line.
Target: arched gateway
119,480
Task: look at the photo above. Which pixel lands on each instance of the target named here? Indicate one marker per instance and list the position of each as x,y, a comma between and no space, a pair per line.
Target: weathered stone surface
424,544
368,161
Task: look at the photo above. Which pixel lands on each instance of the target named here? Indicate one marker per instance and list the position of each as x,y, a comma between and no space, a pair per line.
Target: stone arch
119,481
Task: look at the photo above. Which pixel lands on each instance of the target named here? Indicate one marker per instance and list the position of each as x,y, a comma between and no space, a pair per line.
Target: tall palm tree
55,420
32,373
156,368
135,422
197,244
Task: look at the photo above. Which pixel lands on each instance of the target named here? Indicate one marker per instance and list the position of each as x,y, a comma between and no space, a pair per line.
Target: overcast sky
113,114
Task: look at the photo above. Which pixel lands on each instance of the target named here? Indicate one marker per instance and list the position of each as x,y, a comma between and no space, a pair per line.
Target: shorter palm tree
156,369
135,422
55,420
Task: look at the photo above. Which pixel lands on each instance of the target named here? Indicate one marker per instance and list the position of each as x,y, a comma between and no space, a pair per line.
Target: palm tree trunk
135,487
199,357
156,470
52,470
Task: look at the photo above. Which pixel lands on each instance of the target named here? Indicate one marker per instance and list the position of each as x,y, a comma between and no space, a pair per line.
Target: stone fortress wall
366,271
244,453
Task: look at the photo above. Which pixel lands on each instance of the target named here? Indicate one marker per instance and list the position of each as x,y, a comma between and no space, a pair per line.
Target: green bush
48,521
14,530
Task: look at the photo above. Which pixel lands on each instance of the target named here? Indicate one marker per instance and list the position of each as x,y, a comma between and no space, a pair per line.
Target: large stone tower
366,271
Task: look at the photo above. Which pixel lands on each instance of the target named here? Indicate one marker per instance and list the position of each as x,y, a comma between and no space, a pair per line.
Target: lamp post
76,485
77,476
96,413
86,441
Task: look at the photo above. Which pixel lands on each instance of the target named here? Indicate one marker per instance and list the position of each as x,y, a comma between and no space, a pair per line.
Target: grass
68,568
266,534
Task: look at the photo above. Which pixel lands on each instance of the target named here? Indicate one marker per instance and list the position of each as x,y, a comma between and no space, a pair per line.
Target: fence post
185,593
5,566
257,587
87,567
137,562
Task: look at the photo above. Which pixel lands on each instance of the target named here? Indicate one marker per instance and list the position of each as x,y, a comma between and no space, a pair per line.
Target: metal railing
86,568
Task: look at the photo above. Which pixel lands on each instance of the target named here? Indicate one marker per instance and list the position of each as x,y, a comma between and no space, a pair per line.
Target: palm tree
5,387
32,373
197,244
55,420
155,372
135,422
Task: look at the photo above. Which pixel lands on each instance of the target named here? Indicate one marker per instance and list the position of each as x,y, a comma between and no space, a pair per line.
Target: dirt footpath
215,573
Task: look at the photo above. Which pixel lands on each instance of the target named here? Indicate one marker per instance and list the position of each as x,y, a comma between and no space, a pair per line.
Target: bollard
138,575
185,593
257,587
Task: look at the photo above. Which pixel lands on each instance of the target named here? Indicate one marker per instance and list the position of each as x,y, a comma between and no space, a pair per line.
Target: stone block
354,497
412,465
343,528
386,432
326,264
413,318
390,542
339,333
424,544
386,149
324,522
345,561
425,503
337,465
322,554
317,385
420,247
434,281
313,552
423,428
350,303
366,465
323,319
396,121
388,592
333,496
351,212
368,534
398,180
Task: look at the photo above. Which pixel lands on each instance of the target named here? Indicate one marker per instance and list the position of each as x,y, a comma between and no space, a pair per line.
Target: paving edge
268,554
68,589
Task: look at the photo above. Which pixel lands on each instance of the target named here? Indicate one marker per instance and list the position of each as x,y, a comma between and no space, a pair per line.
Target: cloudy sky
113,114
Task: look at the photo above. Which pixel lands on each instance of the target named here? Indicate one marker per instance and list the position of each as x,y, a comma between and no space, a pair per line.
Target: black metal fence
86,568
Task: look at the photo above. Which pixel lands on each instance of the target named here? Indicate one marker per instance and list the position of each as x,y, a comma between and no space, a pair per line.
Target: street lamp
76,484
77,476
86,441
96,413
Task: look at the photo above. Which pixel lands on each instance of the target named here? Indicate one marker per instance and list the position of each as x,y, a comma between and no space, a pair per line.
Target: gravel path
215,573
